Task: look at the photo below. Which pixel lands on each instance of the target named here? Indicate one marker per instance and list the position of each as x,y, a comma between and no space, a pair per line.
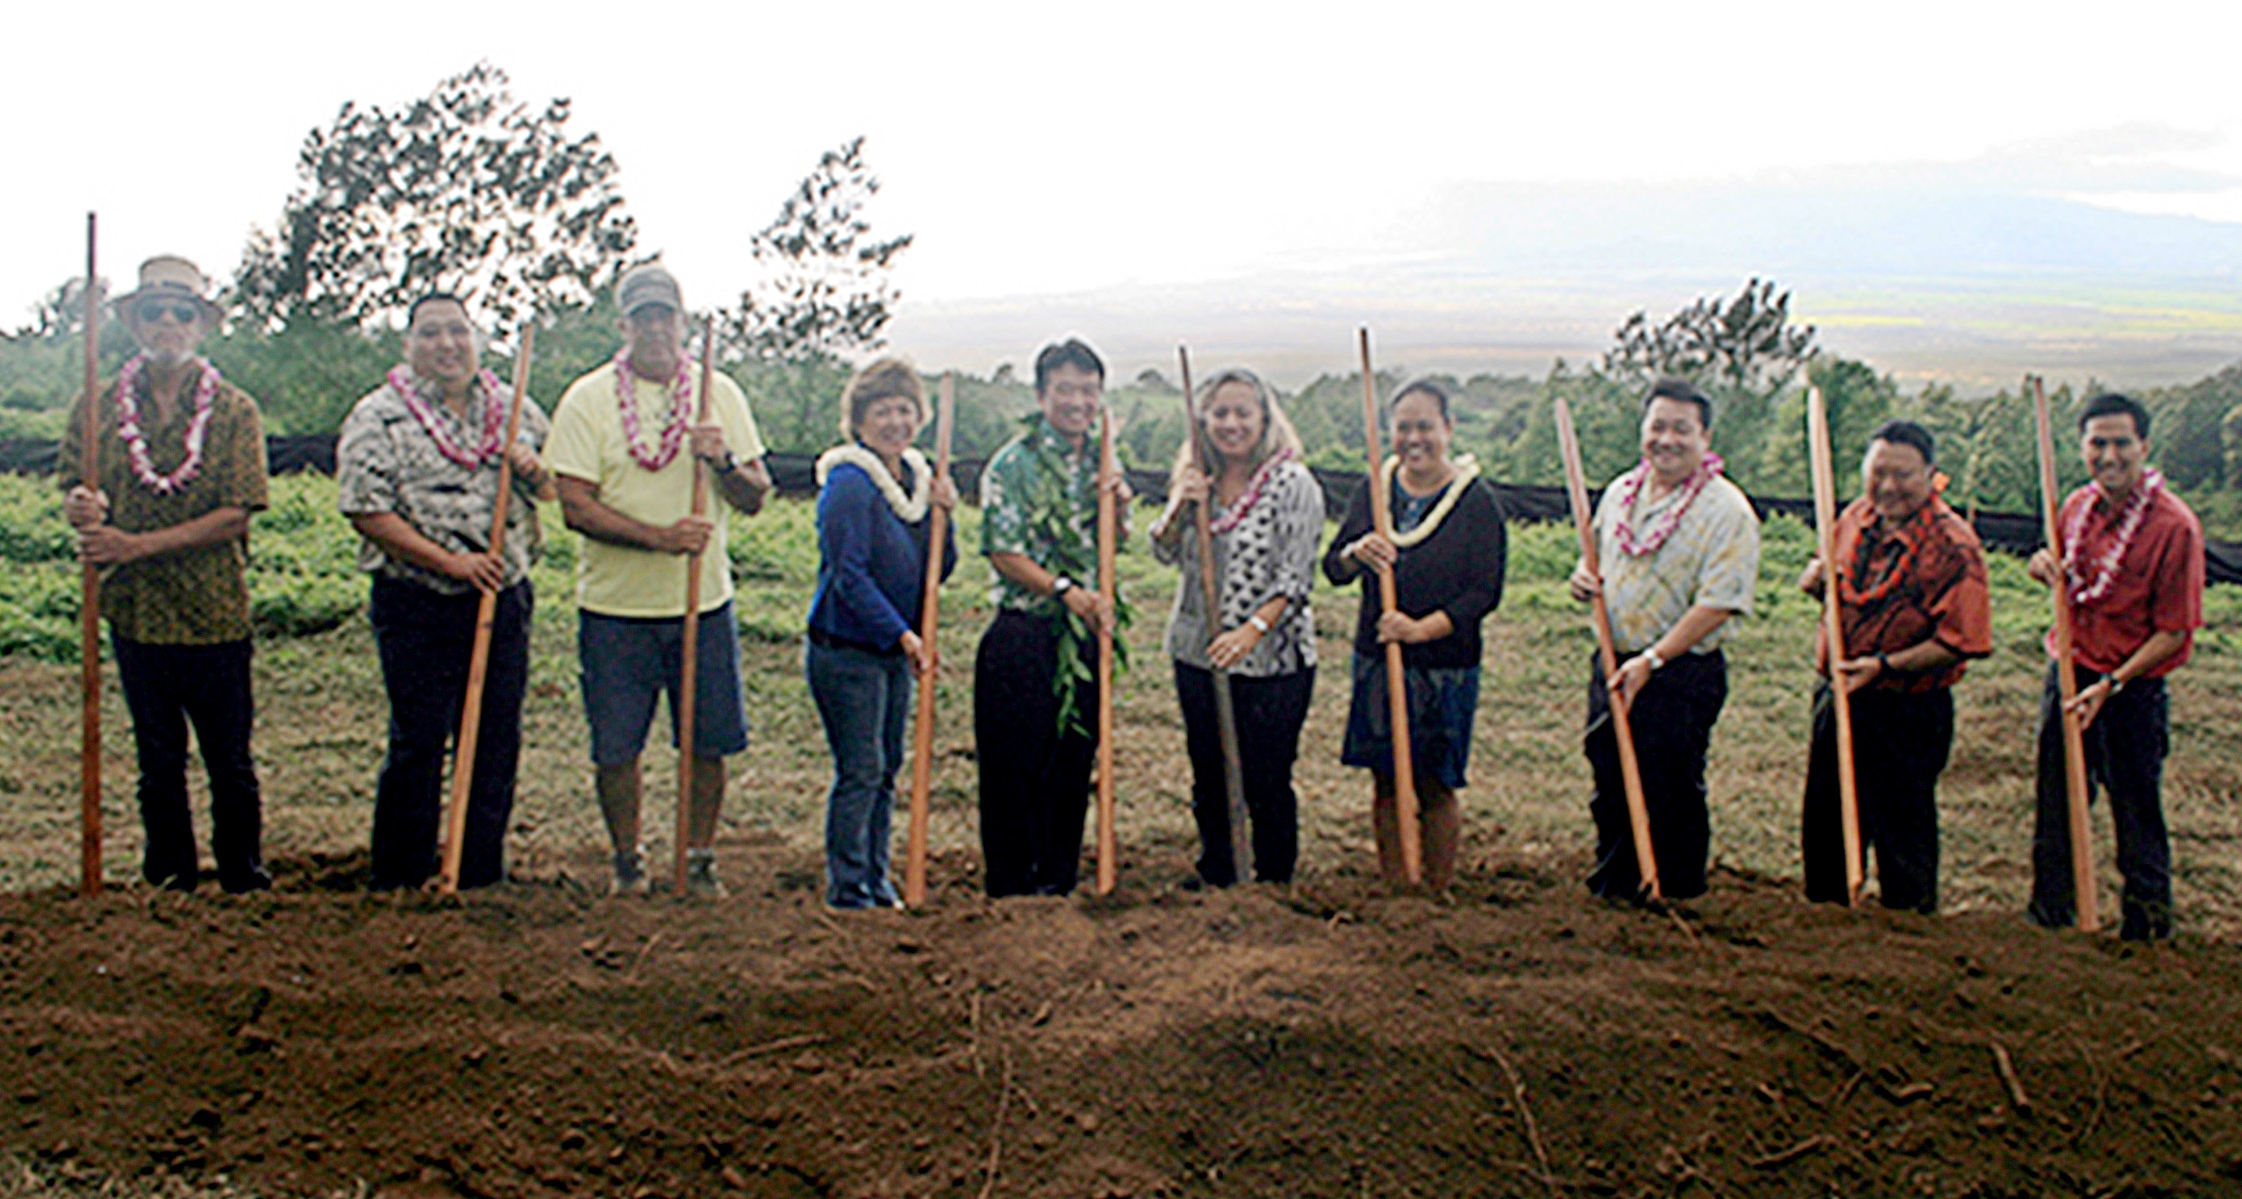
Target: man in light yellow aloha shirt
1679,547
619,452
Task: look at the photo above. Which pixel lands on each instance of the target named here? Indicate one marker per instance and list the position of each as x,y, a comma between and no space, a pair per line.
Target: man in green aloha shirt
1033,736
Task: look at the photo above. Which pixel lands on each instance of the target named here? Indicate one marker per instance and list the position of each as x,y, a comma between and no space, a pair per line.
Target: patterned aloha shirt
1007,484
386,461
1920,580
1710,559
1271,552
193,597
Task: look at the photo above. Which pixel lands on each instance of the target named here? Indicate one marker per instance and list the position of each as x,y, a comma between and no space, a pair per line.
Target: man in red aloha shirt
1913,596
2133,562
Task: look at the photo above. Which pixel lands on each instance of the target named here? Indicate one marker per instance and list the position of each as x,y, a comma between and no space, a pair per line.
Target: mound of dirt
1522,1039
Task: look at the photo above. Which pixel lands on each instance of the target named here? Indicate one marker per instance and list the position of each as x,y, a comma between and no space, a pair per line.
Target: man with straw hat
627,486
416,471
181,460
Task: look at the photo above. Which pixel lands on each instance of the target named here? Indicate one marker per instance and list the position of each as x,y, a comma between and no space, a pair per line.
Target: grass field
322,720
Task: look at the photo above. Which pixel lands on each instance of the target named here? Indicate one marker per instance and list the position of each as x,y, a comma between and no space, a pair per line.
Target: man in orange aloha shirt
1912,596
2133,561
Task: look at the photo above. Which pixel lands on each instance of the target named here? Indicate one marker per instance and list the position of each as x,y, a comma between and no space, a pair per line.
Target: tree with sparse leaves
822,292
468,190
1746,343
824,289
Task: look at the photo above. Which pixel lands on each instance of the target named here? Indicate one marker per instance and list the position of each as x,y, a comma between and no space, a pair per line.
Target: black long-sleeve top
1457,570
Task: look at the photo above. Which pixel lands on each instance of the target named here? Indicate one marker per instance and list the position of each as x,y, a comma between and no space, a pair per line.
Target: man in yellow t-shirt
624,448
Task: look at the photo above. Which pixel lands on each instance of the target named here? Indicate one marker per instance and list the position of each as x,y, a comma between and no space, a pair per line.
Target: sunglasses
154,311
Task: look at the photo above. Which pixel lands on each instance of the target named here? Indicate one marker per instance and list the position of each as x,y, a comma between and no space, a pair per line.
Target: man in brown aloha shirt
181,464
1913,601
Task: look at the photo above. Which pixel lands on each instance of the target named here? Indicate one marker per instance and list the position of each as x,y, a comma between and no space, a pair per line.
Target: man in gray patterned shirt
417,472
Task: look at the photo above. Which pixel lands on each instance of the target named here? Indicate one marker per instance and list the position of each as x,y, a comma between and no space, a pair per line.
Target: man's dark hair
1907,432
1072,352
1674,387
1425,387
2110,403
434,297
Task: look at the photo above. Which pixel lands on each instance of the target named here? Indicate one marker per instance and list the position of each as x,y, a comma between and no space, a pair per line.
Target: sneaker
630,874
700,875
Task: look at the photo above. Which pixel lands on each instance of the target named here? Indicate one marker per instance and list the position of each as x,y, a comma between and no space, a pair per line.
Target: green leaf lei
1074,553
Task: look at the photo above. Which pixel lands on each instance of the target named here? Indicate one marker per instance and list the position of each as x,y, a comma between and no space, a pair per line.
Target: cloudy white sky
1040,149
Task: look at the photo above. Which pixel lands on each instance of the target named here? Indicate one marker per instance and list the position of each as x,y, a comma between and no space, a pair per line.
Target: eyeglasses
155,310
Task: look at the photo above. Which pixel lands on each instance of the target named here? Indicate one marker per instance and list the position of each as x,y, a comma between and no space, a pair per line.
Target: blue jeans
864,699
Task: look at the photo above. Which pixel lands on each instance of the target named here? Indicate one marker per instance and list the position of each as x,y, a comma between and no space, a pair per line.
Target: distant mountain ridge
1971,286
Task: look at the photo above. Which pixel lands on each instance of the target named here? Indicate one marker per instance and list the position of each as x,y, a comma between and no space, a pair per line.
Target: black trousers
1672,719
2125,748
1269,714
1035,784
167,686
425,638
1900,746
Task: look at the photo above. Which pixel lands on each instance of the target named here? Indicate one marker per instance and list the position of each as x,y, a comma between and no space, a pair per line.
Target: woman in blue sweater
874,494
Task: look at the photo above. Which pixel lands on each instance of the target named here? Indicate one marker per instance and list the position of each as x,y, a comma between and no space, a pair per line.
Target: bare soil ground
1327,1040
1513,1038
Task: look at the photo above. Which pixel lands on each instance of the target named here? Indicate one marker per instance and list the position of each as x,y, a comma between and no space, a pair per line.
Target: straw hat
168,276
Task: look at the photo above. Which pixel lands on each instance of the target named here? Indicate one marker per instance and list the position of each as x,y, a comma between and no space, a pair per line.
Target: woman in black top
1447,556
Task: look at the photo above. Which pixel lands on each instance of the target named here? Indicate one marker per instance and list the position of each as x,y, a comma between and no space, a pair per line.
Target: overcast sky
1040,149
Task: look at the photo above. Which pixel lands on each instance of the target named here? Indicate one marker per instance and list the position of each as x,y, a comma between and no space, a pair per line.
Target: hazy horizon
1950,192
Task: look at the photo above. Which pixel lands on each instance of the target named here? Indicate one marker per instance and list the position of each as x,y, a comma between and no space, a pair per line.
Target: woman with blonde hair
1266,514
874,494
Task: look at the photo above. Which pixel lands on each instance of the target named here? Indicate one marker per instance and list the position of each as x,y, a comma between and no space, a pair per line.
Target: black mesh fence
796,474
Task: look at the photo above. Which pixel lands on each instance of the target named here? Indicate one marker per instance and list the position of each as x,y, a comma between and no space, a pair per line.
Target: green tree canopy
467,190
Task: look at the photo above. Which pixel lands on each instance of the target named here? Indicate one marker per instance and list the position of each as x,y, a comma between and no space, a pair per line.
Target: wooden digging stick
1210,591
2066,676
89,607
1108,517
478,659
930,611
1833,632
1622,728
689,642
1397,678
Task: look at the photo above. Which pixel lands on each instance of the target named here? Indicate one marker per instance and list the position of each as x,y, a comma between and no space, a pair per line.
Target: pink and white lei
681,411
1631,486
2128,526
407,387
136,442
1234,515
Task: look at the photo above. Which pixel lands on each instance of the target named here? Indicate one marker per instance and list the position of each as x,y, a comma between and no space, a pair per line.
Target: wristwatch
1650,655
1256,621
2116,685
1060,585
728,464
